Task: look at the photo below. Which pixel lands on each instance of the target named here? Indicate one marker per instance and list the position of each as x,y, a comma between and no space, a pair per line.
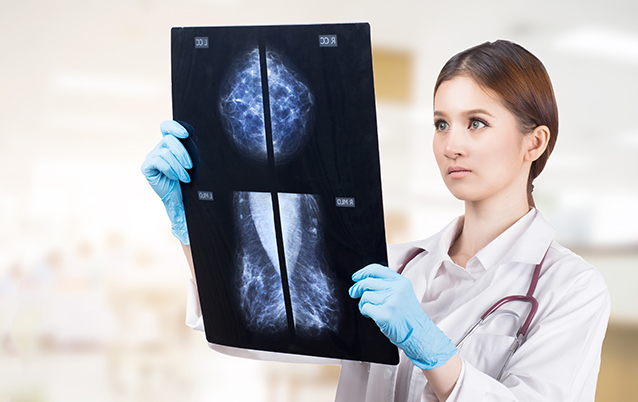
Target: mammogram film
282,133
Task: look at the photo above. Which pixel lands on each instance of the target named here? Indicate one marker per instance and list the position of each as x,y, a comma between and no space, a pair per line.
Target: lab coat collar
538,238
525,241
439,244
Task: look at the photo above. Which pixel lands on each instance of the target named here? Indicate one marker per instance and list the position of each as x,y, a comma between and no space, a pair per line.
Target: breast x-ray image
285,199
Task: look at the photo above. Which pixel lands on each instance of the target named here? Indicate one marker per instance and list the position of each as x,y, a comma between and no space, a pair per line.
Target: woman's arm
443,379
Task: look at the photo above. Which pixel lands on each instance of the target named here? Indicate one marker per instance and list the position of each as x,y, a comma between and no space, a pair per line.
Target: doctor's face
477,143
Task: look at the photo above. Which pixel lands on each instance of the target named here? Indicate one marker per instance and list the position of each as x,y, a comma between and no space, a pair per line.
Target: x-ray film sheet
285,199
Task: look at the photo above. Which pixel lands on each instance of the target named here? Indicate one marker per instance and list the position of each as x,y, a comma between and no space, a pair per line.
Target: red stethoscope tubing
528,297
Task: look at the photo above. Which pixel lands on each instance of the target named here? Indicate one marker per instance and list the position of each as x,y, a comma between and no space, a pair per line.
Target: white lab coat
559,360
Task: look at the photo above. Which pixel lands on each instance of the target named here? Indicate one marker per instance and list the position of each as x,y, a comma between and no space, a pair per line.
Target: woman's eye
441,125
477,124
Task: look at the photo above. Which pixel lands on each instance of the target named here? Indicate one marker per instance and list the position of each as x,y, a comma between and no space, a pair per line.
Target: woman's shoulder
570,272
565,259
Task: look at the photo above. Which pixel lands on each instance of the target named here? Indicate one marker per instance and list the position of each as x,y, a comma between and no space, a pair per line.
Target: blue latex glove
164,167
388,298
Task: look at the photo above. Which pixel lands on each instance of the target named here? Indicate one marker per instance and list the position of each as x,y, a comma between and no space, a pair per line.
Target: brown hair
522,83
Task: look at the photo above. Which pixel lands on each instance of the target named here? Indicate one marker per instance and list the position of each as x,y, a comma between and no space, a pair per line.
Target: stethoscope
522,331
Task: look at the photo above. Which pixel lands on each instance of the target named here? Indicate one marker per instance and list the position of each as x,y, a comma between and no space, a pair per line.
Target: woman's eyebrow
478,111
467,112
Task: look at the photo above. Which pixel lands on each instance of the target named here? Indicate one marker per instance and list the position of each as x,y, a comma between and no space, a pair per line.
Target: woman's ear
536,143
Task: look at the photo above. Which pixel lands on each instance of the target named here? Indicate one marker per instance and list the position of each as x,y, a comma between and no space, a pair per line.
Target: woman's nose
454,146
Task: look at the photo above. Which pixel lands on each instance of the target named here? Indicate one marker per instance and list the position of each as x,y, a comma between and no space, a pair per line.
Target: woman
496,123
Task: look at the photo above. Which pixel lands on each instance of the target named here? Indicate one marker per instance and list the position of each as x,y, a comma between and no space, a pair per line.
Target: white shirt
560,359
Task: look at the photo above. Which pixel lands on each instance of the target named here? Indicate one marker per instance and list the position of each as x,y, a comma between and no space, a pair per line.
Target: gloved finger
150,170
156,166
374,270
148,167
177,148
368,285
174,164
173,128
374,311
376,298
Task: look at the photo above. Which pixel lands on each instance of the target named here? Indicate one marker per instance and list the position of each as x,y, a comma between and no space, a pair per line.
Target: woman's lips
458,172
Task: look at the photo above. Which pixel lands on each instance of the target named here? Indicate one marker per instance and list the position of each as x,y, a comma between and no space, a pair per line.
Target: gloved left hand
388,298
164,167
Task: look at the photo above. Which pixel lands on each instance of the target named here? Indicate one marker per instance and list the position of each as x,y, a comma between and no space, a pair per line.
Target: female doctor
495,125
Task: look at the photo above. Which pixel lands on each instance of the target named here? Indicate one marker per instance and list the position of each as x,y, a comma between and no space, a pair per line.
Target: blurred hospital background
92,283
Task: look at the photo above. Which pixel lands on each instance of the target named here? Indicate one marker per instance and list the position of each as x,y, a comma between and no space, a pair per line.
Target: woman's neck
484,222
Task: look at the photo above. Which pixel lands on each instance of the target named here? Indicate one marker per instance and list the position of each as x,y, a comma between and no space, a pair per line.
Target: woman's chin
462,193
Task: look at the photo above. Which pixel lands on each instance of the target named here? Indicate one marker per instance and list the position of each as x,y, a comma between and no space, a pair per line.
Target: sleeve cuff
193,309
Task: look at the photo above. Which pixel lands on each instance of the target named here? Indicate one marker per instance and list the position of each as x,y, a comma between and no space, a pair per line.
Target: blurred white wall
92,284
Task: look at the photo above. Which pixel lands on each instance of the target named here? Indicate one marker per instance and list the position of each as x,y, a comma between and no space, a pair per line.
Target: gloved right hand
388,298
163,168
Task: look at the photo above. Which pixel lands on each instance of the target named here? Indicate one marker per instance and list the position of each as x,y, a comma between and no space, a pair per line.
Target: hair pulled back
521,82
